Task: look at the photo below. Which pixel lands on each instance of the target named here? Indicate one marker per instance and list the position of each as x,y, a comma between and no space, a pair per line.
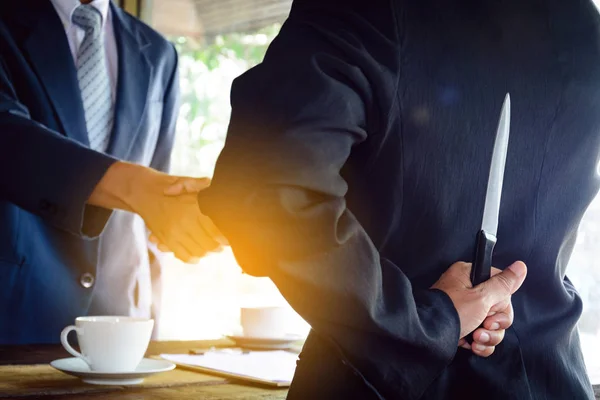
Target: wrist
122,186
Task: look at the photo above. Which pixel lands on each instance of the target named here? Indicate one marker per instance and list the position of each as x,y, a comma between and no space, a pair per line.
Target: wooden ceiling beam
207,18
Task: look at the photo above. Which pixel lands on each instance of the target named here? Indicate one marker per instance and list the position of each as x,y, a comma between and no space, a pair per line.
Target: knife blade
486,237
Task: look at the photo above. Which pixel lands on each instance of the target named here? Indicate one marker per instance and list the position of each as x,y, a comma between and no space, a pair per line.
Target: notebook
272,368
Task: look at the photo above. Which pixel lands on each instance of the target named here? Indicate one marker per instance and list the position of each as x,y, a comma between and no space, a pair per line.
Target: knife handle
482,265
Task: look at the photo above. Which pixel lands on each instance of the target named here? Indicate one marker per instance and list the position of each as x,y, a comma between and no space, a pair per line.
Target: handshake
168,204
182,228
187,233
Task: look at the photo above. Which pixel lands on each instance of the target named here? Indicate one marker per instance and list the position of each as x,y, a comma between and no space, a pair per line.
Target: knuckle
200,254
505,283
480,292
497,338
214,245
485,351
490,350
464,266
459,266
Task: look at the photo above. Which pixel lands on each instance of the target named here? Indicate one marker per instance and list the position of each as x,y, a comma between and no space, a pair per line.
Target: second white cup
264,322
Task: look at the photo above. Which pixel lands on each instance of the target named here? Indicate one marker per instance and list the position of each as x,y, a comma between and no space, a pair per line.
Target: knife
486,238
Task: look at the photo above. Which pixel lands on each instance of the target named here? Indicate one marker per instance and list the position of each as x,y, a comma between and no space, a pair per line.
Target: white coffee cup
110,344
264,322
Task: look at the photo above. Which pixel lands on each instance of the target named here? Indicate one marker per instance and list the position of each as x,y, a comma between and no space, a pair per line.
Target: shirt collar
65,9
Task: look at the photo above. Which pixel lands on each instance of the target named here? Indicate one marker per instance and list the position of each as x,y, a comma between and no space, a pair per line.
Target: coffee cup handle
64,339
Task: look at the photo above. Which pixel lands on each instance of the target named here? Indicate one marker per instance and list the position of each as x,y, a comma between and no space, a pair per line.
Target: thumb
187,185
505,283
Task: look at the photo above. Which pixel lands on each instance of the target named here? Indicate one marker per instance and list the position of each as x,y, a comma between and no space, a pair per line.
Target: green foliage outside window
207,70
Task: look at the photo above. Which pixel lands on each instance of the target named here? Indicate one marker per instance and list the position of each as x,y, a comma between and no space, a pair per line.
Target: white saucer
266,343
77,367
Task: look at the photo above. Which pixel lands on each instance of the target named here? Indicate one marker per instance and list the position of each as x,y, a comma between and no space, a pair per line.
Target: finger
187,185
203,232
186,238
460,271
211,229
202,239
195,185
179,243
175,189
194,238
155,240
504,306
482,350
181,252
487,337
501,320
499,287
189,239
164,248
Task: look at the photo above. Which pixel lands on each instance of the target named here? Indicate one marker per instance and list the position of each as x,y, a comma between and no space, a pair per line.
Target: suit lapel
51,58
132,87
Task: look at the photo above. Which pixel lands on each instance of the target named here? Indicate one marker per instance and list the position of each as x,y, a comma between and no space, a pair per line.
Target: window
203,300
584,272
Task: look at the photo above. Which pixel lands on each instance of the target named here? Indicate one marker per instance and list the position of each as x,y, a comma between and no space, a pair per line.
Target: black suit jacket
355,171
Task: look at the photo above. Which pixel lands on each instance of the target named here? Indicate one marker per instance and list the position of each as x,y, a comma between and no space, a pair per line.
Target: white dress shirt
120,289
75,34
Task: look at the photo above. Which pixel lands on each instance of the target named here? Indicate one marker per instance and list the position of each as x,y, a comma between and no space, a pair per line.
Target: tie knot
87,17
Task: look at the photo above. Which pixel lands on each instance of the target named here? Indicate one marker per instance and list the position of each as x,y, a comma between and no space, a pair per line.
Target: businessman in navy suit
88,106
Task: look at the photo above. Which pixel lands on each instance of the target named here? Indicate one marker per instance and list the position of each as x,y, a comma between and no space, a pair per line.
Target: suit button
87,280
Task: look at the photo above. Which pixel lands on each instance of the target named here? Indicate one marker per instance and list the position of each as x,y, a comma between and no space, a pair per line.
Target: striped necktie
92,74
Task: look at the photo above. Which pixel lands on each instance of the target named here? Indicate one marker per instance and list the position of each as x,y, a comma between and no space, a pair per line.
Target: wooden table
37,380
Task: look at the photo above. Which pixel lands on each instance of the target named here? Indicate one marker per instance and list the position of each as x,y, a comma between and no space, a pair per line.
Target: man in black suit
354,174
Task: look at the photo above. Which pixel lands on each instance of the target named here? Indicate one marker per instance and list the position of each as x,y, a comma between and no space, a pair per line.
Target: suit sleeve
278,195
44,172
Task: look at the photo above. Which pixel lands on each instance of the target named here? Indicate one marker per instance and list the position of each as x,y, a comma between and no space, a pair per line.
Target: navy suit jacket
355,170
49,237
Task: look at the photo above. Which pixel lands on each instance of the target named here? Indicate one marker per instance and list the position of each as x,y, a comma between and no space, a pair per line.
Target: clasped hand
486,309
169,206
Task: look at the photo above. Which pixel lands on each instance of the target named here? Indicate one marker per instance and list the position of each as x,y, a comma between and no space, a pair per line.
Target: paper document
270,367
